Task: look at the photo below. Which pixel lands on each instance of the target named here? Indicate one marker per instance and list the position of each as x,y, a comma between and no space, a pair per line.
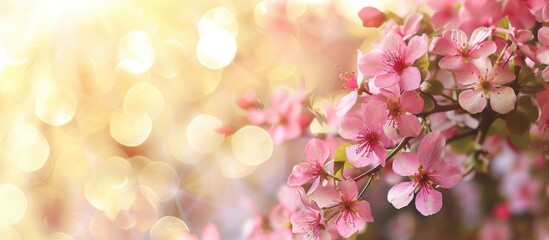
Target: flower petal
409,125
459,38
301,174
466,77
326,196
364,210
484,49
348,189
375,113
452,63
430,149
503,76
543,36
380,154
350,127
348,223
300,222
317,151
355,157
411,102
446,174
472,100
428,201
401,194
444,47
410,79
479,35
346,103
371,64
386,80
502,100
393,42
416,48
406,164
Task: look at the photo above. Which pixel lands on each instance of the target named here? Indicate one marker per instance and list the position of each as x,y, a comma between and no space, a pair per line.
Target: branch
441,108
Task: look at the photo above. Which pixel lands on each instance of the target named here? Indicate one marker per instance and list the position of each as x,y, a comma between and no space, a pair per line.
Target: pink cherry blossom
309,223
392,62
365,128
345,210
408,29
401,108
352,81
458,51
483,82
285,115
540,9
427,171
316,153
371,17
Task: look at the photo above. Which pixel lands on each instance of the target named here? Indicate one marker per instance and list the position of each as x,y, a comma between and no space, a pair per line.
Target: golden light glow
13,197
27,147
8,233
252,145
201,134
168,228
135,52
130,128
56,106
158,181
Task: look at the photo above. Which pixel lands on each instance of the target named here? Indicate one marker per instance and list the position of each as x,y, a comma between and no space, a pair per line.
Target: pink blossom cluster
437,101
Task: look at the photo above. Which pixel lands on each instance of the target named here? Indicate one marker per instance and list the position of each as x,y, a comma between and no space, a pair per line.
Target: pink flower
401,109
408,29
366,129
392,62
483,82
540,9
285,116
344,209
316,153
352,81
371,17
308,224
457,51
427,171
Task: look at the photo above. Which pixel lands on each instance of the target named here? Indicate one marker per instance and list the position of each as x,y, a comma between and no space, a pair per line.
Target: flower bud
371,17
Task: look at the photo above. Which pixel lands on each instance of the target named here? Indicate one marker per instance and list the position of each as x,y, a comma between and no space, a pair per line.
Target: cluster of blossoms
439,99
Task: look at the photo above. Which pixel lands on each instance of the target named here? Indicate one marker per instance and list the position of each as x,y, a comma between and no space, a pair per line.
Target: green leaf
525,75
463,146
435,87
428,104
423,65
340,160
517,122
521,141
505,24
525,105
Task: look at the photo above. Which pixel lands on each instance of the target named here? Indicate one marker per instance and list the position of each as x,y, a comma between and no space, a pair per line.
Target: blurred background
108,112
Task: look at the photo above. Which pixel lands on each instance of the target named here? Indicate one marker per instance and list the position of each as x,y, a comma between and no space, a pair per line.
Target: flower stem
365,186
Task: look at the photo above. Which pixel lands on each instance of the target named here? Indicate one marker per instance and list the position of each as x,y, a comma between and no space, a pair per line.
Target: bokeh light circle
56,106
158,181
252,145
168,228
14,204
201,133
8,233
216,48
130,129
27,147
